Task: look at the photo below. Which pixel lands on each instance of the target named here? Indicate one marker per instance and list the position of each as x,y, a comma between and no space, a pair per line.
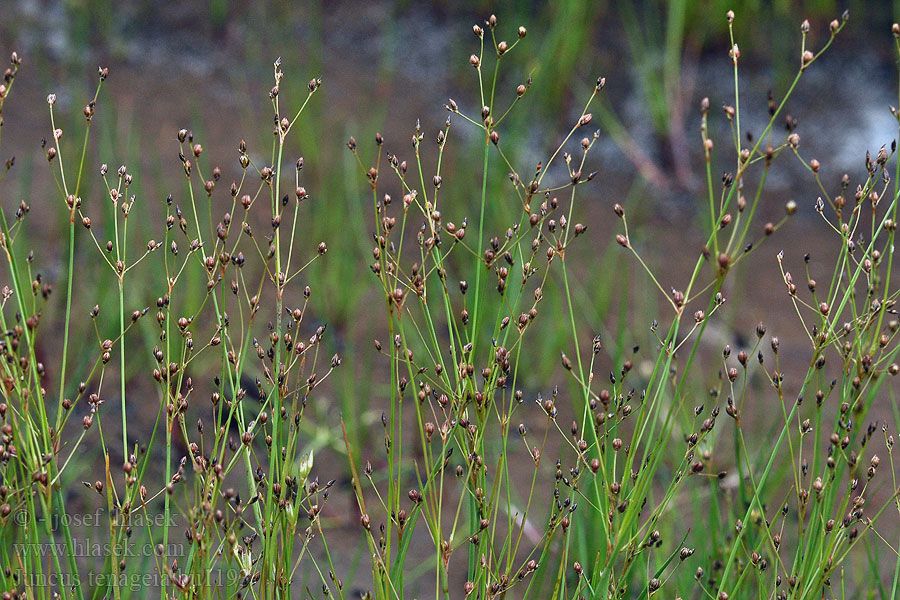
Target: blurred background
207,66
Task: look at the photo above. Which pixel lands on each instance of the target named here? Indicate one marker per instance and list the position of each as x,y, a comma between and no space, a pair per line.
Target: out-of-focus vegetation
387,61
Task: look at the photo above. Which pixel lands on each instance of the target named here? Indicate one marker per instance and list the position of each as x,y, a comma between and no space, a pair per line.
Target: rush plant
214,497
156,435
594,513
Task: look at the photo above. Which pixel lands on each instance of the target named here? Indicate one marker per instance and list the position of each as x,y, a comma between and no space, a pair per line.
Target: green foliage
517,432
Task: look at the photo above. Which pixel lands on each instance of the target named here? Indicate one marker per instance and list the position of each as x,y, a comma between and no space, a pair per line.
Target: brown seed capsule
724,261
790,208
